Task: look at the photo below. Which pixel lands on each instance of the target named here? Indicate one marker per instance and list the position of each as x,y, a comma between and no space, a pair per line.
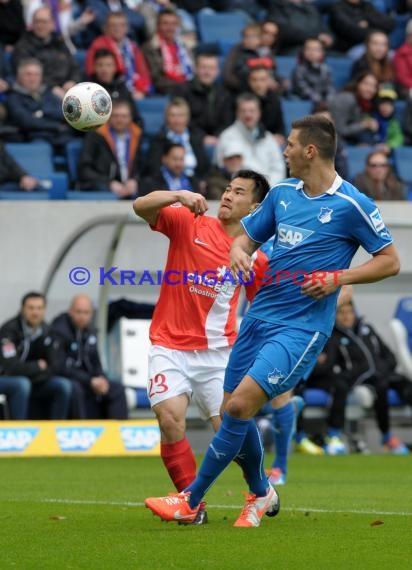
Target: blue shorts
275,356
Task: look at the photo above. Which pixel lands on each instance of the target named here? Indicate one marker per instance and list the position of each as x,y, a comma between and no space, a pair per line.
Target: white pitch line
287,509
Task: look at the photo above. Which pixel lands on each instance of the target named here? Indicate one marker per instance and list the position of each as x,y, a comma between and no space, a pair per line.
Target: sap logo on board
140,438
17,439
78,438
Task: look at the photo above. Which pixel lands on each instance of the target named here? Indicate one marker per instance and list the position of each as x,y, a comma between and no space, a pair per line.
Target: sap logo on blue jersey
16,439
140,438
290,236
377,221
78,438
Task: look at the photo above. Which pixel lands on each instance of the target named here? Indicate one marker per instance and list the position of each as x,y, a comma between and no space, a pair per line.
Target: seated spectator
171,175
298,20
12,176
312,77
28,374
211,105
352,20
378,181
269,47
65,18
242,57
355,355
177,129
11,22
260,150
376,58
341,156
8,132
389,134
129,59
94,395
60,70
168,59
102,8
34,108
402,63
352,109
220,176
109,160
105,74
259,83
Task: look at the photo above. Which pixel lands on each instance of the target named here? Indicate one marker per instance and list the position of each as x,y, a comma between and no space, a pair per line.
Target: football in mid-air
87,106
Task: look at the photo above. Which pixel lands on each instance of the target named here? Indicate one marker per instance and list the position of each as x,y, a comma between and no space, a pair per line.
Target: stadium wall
33,233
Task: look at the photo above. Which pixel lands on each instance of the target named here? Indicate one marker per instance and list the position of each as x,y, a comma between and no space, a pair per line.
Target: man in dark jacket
94,396
28,365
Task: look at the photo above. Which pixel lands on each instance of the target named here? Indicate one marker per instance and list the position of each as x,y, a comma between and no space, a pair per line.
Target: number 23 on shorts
157,385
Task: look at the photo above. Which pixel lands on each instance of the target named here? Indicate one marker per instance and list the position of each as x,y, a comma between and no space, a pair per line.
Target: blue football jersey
309,234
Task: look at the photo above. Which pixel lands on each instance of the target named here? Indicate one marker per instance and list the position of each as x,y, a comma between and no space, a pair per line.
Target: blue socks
223,448
250,458
284,424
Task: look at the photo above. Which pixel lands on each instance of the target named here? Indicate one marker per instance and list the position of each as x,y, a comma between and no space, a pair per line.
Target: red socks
179,460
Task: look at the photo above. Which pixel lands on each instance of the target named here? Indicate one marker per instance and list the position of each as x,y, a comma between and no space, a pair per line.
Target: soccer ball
87,106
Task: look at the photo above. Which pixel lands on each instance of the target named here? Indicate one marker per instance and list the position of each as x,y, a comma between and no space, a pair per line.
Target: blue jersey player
319,221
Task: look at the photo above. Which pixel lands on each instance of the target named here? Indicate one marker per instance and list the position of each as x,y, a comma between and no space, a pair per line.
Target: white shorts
197,373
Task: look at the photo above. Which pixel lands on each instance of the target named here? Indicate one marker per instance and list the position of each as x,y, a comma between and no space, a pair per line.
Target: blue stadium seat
214,26
401,328
402,157
285,64
73,150
91,195
397,36
152,111
294,109
356,159
316,397
341,68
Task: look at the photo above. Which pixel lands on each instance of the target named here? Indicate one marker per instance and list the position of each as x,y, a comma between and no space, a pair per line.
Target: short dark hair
261,187
169,145
246,97
32,295
103,52
319,131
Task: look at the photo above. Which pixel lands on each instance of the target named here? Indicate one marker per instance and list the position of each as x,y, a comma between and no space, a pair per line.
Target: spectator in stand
28,365
269,47
34,108
352,109
389,134
242,57
109,160
12,176
60,70
177,128
259,83
260,150
11,22
352,20
129,59
171,175
211,104
402,63
376,58
378,181
220,176
298,20
65,21
312,77
94,395
102,8
105,74
168,59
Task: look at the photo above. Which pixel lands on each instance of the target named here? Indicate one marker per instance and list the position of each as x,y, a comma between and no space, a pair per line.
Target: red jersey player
194,323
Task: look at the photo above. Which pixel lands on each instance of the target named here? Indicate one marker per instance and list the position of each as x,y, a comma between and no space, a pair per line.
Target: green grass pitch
352,512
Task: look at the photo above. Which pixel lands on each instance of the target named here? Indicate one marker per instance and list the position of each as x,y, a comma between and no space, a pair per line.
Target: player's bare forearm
240,255
149,206
383,264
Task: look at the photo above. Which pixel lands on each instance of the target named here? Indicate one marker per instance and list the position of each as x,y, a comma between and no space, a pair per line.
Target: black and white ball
87,106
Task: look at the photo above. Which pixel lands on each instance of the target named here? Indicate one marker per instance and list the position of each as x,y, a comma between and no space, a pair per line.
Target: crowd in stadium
221,104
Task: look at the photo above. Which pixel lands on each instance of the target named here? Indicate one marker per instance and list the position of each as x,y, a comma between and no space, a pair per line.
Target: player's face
237,200
294,154
33,311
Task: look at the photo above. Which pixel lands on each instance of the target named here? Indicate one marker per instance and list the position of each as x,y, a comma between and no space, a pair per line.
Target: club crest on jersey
325,215
291,236
377,221
275,376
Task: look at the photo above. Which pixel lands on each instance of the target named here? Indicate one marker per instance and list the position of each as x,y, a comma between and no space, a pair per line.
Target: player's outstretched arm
149,206
240,256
